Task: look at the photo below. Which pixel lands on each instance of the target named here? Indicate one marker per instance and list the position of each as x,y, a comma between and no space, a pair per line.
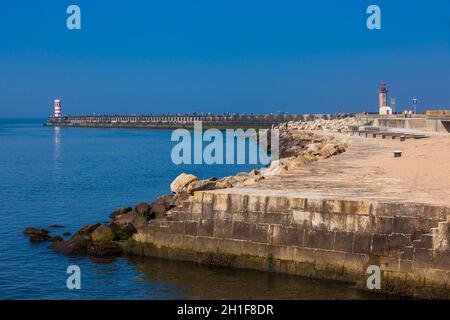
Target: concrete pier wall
318,238
426,124
171,121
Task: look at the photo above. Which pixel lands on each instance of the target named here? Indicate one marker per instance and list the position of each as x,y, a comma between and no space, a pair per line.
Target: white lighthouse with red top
383,107
57,108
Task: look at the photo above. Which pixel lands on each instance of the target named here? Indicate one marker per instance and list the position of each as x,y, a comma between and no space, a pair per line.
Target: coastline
230,222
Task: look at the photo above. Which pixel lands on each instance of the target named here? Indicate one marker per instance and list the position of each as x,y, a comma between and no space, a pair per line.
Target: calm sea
74,176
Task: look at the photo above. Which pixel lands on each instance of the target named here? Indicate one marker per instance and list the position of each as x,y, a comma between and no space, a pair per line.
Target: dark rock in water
57,226
88,229
212,179
30,231
103,233
77,245
37,235
103,249
143,209
67,233
123,232
56,239
119,212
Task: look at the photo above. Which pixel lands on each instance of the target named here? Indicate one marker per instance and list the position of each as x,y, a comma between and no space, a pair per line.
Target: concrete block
281,252
322,239
175,227
408,253
351,223
276,204
356,262
386,209
164,239
223,229
204,244
220,202
324,257
276,218
379,243
238,203
422,258
188,242
282,235
241,230
404,225
190,228
406,266
205,228
230,246
355,207
398,241
259,233
254,249
303,254
365,223
207,202
332,206
362,243
384,224
343,241
302,217
320,220
240,216
256,203
389,264
255,217
296,203
338,222
436,212
314,205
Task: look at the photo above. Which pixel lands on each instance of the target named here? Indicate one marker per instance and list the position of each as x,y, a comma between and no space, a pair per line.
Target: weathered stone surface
103,233
182,181
87,229
77,245
103,249
143,209
119,211
131,217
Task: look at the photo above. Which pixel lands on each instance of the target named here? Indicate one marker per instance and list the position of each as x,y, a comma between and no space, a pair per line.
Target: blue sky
141,57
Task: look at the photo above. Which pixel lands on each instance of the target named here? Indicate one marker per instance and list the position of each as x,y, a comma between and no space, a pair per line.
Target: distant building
384,109
57,108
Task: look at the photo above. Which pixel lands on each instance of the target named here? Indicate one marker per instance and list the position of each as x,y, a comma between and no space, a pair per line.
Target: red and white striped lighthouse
57,108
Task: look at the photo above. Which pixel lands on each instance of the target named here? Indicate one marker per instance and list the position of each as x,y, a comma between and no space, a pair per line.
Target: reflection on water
57,148
194,281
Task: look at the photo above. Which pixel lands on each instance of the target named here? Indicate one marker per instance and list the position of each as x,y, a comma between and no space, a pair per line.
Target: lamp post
415,104
393,104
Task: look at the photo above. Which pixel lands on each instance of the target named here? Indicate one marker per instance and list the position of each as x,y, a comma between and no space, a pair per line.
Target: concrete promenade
331,219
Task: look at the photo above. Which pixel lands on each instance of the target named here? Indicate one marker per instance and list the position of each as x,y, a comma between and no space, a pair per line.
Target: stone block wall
319,238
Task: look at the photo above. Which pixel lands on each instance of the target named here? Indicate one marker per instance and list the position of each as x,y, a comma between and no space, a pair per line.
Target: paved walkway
368,170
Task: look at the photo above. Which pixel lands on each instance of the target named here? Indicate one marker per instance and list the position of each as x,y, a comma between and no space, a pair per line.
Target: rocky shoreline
298,147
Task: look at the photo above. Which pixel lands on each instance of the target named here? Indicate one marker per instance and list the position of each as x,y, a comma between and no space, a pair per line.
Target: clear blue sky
221,56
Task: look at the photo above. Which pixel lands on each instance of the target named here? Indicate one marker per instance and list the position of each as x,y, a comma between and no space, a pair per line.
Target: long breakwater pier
183,121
